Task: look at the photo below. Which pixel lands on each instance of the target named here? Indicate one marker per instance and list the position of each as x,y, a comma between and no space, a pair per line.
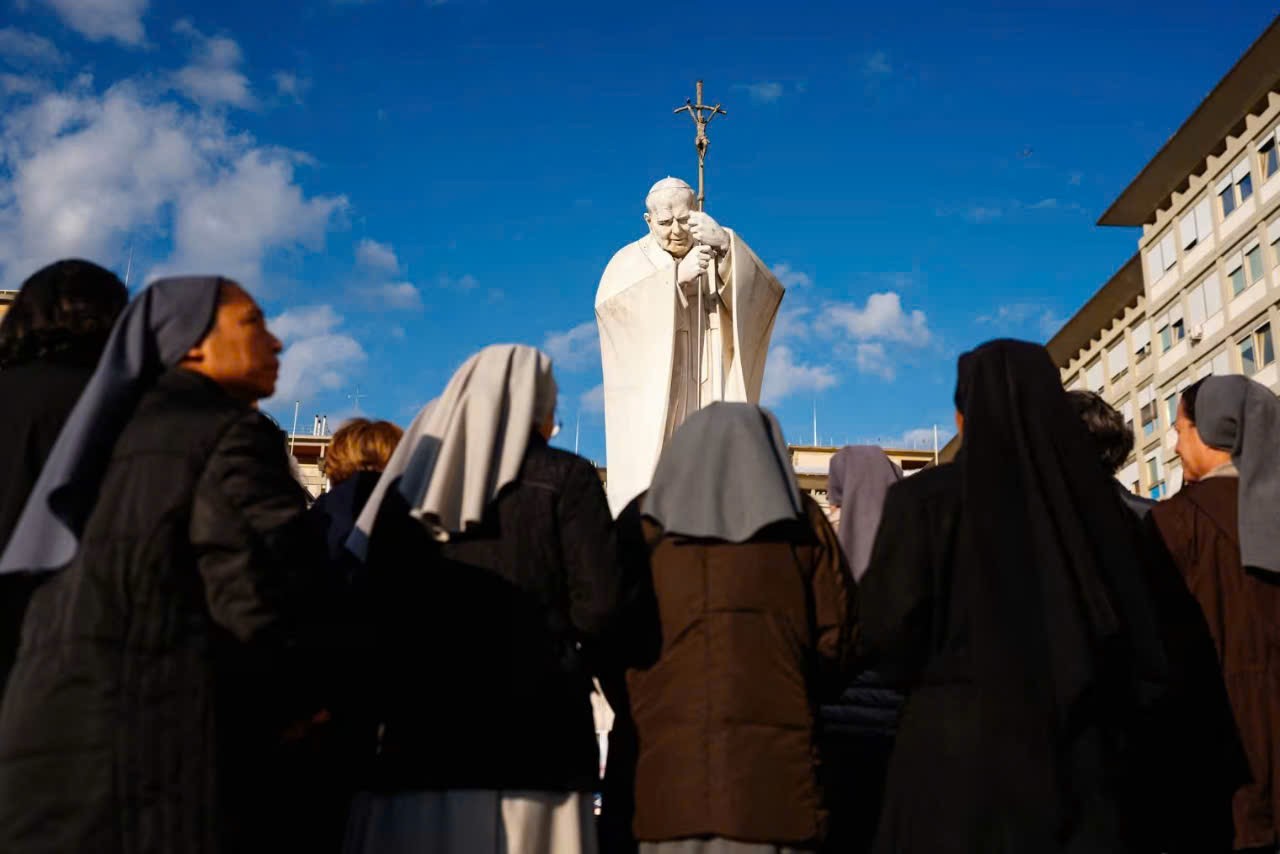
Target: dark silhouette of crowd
1005,653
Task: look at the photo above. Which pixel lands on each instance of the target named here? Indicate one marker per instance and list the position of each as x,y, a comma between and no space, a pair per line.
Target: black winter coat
478,673
1144,777
38,398
158,669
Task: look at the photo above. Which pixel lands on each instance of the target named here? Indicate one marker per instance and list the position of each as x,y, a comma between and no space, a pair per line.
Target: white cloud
99,20
16,84
290,85
881,319
762,93
213,78
253,205
574,349
403,295
793,321
372,255
871,358
23,49
319,356
592,400
877,65
304,322
790,277
83,174
1043,204
784,376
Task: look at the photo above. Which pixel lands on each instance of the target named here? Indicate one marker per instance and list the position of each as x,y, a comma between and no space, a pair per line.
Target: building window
1253,260
1257,350
1117,360
1268,162
1197,226
1171,407
1126,410
1162,257
1273,237
1147,410
1220,366
1141,340
1235,189
1093,376
1170,328
1204,301
1154,477
1243,269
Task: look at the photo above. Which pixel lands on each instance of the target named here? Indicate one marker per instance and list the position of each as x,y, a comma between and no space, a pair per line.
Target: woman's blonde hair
360,445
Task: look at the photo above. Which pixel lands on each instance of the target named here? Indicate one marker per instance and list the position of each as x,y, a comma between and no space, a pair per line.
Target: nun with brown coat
755,625
1223,532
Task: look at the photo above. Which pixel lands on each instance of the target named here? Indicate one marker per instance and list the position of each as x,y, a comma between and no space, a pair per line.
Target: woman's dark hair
1112,437
1189,399
65,310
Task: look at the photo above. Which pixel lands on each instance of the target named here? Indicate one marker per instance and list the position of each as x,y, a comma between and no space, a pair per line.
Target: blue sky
404,181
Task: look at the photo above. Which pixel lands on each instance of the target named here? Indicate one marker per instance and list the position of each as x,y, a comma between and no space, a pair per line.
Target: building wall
1204,296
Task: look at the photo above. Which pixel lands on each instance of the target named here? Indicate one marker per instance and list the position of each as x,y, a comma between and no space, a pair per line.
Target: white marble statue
647,308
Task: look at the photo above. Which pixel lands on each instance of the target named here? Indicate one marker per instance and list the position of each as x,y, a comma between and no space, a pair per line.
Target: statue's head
667,209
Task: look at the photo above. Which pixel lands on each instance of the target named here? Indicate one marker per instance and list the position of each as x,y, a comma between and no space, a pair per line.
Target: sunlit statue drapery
662,359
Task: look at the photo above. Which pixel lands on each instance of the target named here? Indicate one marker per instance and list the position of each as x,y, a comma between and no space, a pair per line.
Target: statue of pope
665,352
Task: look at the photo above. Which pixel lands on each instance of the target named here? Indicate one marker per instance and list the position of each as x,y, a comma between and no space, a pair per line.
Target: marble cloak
636,311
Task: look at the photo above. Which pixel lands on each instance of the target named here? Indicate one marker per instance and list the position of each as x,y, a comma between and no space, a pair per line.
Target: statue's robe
654,375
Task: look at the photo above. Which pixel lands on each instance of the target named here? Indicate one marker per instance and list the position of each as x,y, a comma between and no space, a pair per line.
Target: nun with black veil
50,341
490,574
1051,660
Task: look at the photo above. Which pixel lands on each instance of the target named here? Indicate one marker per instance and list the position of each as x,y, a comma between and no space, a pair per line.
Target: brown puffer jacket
753,637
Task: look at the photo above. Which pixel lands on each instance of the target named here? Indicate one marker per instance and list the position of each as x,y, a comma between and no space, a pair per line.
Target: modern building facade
1202,294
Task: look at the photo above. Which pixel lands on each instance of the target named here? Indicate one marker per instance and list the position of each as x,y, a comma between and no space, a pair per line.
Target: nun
50,341
157,663
490,574
858,728
1222,530
1010,593
755,624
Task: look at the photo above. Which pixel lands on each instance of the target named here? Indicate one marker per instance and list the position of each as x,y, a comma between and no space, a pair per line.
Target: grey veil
152,334
1236,414
860,477
724,475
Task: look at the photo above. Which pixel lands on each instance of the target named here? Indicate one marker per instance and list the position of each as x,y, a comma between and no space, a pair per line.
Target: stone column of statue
666,352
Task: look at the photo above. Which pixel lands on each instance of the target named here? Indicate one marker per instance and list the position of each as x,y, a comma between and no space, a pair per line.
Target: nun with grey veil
755,618
489,573
858,728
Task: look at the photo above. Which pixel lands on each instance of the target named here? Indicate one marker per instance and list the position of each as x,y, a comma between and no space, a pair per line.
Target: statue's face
668,218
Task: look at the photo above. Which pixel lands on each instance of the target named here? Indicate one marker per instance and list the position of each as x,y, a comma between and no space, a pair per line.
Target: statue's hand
706,231
693,265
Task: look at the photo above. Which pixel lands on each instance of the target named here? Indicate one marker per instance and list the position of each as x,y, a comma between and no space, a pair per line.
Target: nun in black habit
1043,649
160,656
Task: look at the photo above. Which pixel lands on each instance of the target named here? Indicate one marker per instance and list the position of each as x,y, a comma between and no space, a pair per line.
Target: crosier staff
702,114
